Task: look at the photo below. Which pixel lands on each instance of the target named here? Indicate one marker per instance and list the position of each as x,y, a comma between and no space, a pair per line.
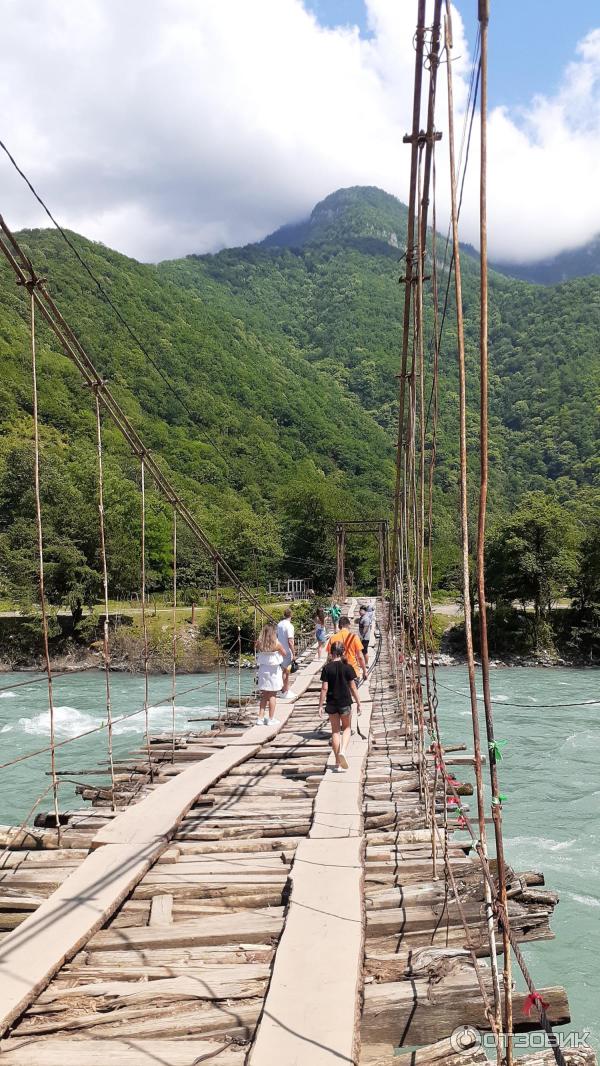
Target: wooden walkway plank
311,1010
125,1052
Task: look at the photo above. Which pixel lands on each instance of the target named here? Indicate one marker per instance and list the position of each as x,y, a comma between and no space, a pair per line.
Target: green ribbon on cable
499,799
496,747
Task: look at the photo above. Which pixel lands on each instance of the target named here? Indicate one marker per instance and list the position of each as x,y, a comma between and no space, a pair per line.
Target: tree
311,509
585,628
532,557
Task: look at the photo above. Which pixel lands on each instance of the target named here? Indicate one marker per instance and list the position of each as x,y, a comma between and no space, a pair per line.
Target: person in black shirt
338,689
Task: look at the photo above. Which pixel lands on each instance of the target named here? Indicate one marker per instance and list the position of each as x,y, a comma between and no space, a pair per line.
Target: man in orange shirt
353,653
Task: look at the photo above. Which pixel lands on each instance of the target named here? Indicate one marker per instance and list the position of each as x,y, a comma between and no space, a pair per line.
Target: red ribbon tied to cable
534,1000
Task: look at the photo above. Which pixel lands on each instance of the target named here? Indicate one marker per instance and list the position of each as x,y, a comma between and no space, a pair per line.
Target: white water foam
68,721
544,843
8,695
588,901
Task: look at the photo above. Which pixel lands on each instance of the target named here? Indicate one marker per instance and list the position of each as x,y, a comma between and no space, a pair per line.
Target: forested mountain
287,354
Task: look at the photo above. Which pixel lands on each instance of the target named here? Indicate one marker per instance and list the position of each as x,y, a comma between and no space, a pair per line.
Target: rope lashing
534,1000
496,747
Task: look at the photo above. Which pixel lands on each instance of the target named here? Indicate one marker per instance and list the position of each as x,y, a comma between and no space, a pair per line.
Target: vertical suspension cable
105,632
144,618
239,640
254,672
464,513
418,474
483,491
174,638
409,261
218,636
40,548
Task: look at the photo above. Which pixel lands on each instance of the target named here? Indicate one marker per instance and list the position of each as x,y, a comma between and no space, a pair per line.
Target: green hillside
286,353
335,294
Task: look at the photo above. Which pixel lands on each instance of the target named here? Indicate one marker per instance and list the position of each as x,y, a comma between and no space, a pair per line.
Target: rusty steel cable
481,523
146,648
174,638
105,633
464,517
31,286
409,264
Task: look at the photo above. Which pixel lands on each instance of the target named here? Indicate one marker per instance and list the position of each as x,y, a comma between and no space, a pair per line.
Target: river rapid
80,706
549,774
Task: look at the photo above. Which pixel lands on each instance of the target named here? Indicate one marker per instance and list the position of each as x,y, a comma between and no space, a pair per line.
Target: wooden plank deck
124,849
270,912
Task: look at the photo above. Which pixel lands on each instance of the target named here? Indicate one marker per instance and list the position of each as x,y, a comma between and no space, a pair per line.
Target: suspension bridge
225,895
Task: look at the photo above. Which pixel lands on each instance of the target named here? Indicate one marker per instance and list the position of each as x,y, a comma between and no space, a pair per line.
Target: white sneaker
343,763
340,769
262,721
265,720
273,721
288,695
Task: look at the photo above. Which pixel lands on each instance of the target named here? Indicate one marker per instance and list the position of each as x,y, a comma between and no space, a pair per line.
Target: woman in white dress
269,656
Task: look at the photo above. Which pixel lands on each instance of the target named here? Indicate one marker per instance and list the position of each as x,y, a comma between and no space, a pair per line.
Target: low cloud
162,127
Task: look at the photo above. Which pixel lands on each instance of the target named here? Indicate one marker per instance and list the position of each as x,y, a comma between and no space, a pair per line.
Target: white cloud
544,167
167,126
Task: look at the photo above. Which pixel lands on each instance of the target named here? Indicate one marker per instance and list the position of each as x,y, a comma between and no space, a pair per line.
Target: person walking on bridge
285,636
365,623
353,653
334,613
320,630
338,689
269,656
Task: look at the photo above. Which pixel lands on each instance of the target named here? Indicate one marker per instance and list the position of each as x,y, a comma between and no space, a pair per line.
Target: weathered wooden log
430,962
259,926
416,1012
170,1020
15,839
214,983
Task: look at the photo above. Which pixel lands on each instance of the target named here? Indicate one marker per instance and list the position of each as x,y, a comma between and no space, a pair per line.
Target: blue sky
531,41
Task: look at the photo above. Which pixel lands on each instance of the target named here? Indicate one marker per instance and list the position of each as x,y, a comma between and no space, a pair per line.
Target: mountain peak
358,212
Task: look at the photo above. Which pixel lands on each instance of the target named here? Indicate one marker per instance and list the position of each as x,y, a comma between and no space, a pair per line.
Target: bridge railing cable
410,605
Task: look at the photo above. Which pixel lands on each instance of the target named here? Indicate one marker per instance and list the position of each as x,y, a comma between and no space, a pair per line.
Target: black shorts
338,710
365,645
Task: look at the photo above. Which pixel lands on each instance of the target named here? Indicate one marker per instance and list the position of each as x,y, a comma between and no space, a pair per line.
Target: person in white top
285,636
269,656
